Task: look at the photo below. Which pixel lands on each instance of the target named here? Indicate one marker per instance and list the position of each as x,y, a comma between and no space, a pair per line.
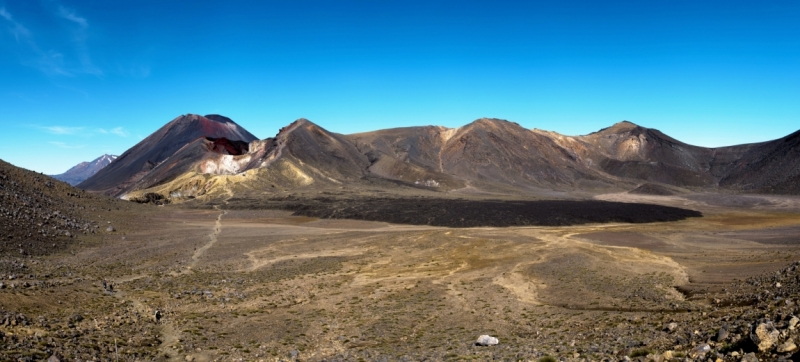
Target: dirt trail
213,237
525,290
170,336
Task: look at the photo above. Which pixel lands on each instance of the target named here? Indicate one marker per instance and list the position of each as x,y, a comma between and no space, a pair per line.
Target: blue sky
83,78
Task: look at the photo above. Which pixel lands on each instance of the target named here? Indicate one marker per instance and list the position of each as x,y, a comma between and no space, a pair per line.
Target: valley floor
266,285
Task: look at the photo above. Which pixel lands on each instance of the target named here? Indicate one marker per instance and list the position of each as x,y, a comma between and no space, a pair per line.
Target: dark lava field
475,213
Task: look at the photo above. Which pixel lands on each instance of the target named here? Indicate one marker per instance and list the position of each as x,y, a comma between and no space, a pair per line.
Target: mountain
84,170
769,167
412,155
318,153
630,151
486,151
133,165
627,150
191,157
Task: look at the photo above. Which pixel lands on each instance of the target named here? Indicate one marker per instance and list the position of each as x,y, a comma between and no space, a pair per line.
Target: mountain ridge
487,153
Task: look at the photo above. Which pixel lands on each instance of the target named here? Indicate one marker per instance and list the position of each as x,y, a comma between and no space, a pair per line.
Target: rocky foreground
751,320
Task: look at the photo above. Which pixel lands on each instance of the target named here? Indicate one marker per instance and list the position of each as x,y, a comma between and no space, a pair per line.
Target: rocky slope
771,167
39,215
84,170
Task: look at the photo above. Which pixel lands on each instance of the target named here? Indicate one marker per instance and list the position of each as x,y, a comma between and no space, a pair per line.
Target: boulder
765,336
486,340
110,228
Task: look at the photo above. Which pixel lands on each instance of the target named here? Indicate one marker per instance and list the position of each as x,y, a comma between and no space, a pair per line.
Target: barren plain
262,284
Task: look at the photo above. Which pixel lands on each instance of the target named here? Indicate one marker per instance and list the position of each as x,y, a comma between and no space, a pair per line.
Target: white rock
486,340
765,336
793,323
788,346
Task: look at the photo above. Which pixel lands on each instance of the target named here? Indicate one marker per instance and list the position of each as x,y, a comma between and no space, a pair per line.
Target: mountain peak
623,125
493,123
619,127
219,118
293,126
303,122
84,170
106,158
489,120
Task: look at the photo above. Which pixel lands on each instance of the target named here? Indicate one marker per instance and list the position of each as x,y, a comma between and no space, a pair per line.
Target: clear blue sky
83,78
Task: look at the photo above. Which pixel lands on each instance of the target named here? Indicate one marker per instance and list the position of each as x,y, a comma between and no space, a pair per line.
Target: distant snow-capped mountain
84,170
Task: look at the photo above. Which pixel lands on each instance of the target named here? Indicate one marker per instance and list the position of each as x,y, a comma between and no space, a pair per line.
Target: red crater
227,147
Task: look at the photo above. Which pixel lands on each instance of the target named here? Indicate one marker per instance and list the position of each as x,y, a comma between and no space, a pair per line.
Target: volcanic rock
722,335
765,336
